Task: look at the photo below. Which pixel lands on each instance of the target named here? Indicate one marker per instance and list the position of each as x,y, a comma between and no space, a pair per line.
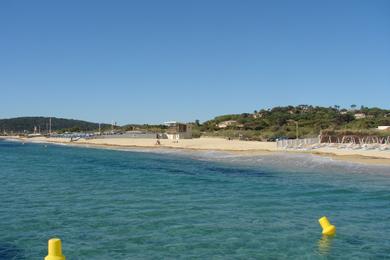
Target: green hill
27,124
268,124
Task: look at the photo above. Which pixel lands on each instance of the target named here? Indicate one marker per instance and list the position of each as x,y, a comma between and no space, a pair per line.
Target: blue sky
153,61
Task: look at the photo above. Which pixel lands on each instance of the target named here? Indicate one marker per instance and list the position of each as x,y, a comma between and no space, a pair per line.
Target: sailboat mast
50,126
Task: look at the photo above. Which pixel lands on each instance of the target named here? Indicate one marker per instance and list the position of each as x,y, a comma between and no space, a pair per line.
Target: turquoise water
107,204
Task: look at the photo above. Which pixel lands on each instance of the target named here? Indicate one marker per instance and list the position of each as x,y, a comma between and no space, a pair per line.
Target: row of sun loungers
346,146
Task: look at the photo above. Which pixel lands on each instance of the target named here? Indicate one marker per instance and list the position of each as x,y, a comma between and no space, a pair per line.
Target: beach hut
178,130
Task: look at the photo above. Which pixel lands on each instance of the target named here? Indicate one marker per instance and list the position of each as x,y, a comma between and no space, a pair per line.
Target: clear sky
154,61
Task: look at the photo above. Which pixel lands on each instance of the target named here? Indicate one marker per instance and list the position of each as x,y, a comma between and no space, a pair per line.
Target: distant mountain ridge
21,124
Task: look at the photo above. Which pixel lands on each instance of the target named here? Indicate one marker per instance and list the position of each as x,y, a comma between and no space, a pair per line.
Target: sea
175,204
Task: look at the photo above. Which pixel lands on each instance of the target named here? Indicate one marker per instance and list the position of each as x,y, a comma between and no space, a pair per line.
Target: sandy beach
220,144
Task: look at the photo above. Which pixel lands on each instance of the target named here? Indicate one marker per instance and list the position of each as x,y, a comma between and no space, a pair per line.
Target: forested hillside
282,122
27,124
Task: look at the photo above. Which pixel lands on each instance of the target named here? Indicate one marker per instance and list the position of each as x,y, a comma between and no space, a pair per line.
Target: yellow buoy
55,250
327,228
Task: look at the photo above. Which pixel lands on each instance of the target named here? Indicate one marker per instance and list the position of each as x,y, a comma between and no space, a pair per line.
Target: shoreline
246,148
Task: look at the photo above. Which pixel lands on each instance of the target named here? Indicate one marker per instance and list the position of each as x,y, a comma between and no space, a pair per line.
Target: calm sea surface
107,204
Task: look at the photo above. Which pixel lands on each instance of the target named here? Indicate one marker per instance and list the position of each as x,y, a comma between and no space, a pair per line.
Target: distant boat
72,139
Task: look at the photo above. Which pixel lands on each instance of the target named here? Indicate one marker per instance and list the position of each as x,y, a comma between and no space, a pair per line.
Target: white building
383,127
359,116
227,123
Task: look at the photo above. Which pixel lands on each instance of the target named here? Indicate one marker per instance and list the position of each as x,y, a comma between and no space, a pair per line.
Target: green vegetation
144,127
27,125
281,122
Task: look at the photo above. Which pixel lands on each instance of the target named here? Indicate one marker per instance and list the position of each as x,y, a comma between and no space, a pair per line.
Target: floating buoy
55,250
327,228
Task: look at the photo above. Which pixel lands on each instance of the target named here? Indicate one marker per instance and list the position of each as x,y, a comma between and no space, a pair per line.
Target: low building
227,123
384,127
130,134
178,130
359,116
258,115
